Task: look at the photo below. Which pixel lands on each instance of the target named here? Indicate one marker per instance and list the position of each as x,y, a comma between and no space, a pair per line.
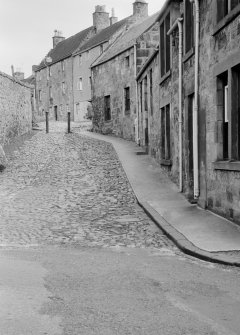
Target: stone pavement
197,232
69,189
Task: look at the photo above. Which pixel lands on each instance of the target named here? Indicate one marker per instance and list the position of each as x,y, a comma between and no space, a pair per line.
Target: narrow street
79,256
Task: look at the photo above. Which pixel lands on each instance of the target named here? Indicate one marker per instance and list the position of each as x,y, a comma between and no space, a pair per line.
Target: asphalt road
78,256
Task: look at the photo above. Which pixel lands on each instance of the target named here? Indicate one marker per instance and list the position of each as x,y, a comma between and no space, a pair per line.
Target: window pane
167,155
234,3
222,9
162,48
189,25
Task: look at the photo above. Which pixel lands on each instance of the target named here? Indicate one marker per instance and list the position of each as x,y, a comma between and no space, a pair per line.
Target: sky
27,26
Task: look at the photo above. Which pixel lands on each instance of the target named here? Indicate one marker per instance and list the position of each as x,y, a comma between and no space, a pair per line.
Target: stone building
189,94
63,79
15,108
114,90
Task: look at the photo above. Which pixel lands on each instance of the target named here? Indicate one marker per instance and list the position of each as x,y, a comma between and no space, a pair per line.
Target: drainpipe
195,109
178,24
137,108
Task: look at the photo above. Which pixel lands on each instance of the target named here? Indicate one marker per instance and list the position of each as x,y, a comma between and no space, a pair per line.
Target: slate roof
127,39
65,48
102,36
30,80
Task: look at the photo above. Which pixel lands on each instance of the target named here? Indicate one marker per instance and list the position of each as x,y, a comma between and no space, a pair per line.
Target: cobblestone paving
69,189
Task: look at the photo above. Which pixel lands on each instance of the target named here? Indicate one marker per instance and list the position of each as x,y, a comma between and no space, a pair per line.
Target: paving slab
207,233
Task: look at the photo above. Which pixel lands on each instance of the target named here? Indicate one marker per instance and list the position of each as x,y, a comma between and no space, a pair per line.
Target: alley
79,256
67,188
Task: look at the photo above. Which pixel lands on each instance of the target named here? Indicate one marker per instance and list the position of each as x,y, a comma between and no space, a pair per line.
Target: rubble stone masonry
219,53
15,108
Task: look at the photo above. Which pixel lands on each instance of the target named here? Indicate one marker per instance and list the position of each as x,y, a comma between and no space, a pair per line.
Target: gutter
178,24
196,106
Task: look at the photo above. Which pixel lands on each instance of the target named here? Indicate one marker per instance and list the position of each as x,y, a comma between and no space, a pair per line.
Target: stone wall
111,78
15,108
219,52
60,102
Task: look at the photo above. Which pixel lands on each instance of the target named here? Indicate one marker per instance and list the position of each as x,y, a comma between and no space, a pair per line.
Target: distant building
114,88
63,78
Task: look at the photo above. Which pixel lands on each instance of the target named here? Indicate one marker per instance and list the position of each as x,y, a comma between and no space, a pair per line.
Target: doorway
55,113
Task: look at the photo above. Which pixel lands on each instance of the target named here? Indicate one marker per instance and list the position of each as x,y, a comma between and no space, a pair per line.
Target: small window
189,25
50,71
107,108
90,81
63,66
224,7
165,45
80,60
101,49
40,95
80,84
63,87
127,100
127,61
165,133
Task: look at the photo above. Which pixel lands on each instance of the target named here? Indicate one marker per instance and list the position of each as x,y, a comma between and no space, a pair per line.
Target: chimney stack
19,75
113,18
140,9
100,18
57,38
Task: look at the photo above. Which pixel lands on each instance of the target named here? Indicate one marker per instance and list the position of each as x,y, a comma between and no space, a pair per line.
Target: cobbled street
78,256
69,189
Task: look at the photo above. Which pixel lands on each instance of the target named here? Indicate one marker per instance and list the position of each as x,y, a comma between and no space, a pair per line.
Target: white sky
27,26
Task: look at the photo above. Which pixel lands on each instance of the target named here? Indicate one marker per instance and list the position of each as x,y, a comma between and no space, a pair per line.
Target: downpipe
178,24
136,122
196,103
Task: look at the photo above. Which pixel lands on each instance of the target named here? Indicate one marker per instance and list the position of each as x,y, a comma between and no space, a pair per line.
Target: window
80,60
90,81
61,110
101,49
40,95
79,84
224,7
107,108
165,132
228,103
63,66
63,87
165,45
145,94
151,90
50,92
127,61
189,25
127,100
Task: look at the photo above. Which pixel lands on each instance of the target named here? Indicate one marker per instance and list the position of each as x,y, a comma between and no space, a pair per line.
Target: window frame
189,27
165,40
63,87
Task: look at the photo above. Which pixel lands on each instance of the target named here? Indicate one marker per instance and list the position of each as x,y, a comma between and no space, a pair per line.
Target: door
55,113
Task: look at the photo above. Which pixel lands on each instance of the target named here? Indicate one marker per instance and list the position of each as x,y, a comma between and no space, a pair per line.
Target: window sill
166,76
188,55
127,113
108,121
227,165
166,162
226,20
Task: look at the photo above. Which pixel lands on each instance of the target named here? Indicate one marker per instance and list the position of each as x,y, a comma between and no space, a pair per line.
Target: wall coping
2,74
